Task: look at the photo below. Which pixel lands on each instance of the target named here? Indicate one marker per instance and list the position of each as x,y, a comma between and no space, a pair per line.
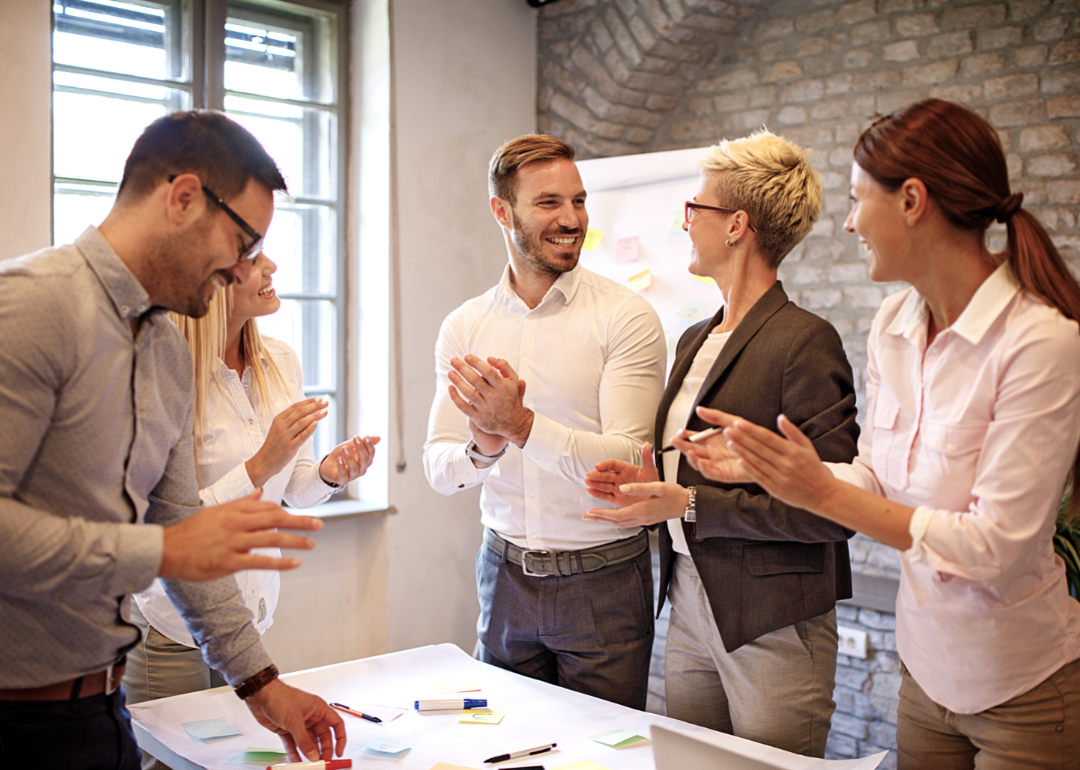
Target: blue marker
451,704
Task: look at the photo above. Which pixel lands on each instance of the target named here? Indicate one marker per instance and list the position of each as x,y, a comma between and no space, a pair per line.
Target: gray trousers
775,690
158,667
591,633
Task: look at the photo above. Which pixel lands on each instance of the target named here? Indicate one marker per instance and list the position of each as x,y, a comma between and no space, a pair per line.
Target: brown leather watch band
251,686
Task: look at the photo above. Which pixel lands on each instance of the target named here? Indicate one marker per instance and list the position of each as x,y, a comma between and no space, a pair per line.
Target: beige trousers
1037,730
775,690
158,667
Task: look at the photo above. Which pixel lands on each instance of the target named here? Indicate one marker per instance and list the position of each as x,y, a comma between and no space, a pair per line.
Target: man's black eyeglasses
252,250
691,207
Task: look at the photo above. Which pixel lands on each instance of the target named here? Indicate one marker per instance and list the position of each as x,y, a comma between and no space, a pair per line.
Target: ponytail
958,156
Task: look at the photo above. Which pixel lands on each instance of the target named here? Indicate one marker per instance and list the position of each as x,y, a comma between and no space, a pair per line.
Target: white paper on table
538,714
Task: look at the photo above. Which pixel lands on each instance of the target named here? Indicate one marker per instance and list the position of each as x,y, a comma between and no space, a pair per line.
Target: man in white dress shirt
562,599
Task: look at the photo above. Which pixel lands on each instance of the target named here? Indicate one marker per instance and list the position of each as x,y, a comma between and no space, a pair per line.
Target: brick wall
626,76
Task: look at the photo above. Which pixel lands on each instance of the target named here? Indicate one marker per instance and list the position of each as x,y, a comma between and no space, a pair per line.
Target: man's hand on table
302,720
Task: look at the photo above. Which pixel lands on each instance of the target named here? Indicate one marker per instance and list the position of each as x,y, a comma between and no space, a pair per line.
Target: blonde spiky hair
770,179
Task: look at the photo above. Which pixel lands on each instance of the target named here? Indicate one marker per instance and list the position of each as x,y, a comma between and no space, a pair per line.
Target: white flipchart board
642,196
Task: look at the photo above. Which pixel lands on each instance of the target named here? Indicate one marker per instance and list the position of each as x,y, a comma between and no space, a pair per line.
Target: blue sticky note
387,746
206,730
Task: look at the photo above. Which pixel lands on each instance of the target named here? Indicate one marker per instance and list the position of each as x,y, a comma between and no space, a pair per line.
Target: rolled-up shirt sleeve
1030,440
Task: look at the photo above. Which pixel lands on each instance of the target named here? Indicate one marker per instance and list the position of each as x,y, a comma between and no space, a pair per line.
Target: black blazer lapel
764,309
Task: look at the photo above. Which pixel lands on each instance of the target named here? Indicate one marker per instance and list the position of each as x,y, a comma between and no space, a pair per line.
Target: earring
728,243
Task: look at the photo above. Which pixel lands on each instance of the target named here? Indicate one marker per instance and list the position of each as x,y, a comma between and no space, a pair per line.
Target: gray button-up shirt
95,450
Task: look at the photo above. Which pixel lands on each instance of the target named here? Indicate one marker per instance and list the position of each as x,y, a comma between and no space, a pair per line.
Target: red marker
332,764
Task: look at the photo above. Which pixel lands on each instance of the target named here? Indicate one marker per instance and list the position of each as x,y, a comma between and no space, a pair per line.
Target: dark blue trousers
91,733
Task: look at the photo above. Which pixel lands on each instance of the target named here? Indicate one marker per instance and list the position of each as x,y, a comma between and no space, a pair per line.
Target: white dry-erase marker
451,704
332,764
697,437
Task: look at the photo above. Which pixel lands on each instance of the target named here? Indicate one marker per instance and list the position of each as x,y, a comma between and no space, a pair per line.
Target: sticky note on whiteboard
641,281
694,312
592,239
627,250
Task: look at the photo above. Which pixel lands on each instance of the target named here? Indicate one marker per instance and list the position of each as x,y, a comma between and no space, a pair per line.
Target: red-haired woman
970,436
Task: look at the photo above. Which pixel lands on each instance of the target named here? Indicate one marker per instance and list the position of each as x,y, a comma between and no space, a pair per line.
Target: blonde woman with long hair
253,430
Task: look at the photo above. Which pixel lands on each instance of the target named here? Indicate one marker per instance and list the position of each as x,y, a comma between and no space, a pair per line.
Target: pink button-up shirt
977,431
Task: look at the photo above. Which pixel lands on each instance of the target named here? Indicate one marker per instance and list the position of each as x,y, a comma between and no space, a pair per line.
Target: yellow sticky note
704,279
677,219
641,281
592,239
457,685
588,764
444,766
482,717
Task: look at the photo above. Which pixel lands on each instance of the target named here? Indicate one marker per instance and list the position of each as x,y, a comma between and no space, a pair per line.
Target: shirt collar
128,296
988,302
566,285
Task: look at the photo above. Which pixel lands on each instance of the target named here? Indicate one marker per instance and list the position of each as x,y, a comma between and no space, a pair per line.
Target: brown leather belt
80,687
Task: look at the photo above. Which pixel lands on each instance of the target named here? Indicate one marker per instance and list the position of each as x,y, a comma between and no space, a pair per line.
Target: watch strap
690,514
472,451
255,683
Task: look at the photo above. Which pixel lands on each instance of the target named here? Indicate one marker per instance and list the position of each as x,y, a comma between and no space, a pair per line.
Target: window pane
93,135
302,141
279,53
325,437
132,38
303,242
261,61
74,208
310,328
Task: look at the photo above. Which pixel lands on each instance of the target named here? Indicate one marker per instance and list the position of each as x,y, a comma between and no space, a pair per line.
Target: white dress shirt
235,430
977,431
592,355
679,415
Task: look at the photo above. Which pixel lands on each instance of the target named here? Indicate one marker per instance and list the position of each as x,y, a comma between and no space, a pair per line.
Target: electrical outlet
853,642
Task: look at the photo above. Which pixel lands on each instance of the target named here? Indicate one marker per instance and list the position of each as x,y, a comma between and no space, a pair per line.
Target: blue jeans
91,733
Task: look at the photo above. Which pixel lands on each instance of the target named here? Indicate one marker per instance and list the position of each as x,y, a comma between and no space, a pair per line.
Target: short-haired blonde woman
752,582
970,437
253,431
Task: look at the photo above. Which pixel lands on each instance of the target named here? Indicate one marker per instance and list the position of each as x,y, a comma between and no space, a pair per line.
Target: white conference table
537,713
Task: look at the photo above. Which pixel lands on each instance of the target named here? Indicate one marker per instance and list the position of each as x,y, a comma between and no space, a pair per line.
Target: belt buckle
525,563
109,688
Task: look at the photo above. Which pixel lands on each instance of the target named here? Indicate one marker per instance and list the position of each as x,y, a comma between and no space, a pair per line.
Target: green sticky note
206,730
254,755
619,739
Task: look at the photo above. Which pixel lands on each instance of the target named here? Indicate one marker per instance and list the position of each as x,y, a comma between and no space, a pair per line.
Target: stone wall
627,76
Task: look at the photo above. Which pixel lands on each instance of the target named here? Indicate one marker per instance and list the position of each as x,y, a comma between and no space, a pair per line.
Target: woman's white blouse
977,431
235,429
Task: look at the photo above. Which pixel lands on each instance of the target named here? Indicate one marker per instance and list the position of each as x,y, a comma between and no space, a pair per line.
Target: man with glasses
98,493
563,600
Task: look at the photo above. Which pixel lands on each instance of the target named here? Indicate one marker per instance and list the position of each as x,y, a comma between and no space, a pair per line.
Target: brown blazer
763,564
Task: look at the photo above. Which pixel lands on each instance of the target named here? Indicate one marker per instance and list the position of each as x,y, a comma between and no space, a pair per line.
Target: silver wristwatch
690,514
476,454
